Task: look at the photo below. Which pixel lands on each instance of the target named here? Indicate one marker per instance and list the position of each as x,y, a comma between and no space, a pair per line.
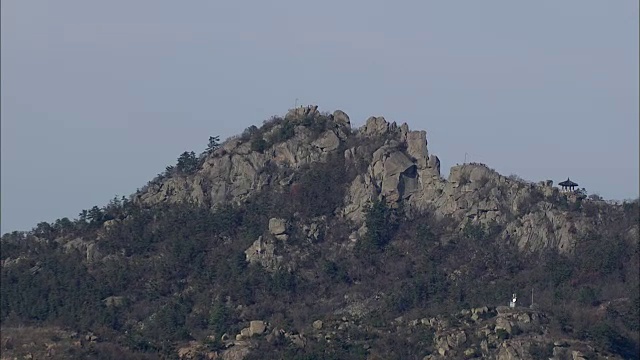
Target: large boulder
277,226
376,126
328,141
114,301
257,327
341,118
262,252
396,165
302,112
417,147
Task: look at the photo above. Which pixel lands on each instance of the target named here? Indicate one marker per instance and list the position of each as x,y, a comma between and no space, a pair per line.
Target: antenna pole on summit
296,104
465,157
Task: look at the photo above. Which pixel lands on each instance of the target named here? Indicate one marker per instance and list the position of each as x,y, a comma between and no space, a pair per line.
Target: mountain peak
307,237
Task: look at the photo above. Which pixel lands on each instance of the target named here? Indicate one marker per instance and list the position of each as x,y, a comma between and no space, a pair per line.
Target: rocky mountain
395,164
309,239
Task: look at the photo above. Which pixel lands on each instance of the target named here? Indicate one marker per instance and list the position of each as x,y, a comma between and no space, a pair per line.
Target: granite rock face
400,169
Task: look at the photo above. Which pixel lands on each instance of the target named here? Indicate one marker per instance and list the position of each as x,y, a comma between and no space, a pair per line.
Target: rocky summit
305,238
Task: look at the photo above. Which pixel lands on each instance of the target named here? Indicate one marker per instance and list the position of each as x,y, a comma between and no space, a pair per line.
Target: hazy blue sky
99,96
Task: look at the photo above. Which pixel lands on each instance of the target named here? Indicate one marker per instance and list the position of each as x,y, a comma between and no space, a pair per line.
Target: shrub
320,188
425,235
515,330
284,133
502,334
541,351
271,123
335,272
516,178
250,133
258,144
317,124
474,231
607,336
588,296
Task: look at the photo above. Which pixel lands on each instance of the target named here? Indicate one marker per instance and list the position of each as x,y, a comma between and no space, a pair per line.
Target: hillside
308,239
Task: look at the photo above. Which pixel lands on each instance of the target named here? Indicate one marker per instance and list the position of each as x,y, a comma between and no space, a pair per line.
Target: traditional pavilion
568,185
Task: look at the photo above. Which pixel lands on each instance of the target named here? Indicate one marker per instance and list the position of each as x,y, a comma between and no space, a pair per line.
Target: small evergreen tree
187,163
219,318
43,229
63,225
214,143
381,224
95,215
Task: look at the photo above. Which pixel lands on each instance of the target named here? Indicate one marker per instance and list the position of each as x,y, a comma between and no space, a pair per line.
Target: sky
98,97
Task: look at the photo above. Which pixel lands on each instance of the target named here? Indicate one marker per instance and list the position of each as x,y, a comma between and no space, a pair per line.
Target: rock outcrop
256,327
312,274
263,252
302,112
278,228
341,118
483,332
401,169
234,171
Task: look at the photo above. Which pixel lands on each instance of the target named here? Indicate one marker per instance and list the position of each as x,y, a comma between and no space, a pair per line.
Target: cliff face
395,165
233,172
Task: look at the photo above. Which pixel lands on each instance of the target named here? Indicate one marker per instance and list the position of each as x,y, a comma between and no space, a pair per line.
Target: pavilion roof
568,182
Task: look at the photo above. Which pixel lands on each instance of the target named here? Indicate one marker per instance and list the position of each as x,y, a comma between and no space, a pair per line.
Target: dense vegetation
182,273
